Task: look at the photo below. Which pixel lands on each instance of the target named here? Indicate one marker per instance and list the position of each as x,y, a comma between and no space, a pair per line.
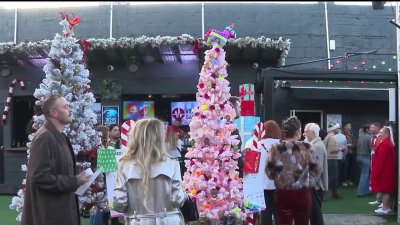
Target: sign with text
183,111
110,115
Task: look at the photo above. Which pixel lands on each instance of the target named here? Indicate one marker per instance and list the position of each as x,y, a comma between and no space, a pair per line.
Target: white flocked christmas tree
67,76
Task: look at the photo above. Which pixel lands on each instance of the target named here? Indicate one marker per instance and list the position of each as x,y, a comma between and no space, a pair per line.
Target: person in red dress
383,173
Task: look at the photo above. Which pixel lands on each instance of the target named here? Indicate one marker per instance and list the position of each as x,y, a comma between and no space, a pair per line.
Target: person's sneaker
345,184
350,183
383,211
380,206
374,203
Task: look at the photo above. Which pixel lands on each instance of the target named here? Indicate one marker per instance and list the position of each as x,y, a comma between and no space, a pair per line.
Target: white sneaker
380,206
374,203
382,211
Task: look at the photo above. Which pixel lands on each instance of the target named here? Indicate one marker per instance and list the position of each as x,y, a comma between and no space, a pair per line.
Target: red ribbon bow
86,45
196,47
244,92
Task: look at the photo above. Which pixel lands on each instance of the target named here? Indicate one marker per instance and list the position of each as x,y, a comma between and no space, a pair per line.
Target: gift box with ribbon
246,92
106,158
247,108
245,125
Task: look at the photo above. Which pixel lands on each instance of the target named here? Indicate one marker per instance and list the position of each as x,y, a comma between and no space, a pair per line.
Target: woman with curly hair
293,167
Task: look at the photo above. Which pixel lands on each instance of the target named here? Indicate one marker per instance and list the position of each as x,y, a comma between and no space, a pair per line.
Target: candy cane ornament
9,96
125,128
259,133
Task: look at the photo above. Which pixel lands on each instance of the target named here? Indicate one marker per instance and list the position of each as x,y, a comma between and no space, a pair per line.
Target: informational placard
253,187
183,111
332,119
110,115
110,183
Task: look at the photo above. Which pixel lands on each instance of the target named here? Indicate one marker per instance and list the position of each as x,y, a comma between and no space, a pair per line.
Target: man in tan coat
333,150
51,180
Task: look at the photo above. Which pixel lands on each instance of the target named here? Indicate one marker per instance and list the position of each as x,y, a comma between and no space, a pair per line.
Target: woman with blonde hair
148,186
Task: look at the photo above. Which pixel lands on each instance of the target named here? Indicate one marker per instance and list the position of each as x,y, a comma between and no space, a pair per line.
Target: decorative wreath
111,90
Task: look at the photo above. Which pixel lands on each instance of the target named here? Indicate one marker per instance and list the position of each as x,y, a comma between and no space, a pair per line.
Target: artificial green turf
349,204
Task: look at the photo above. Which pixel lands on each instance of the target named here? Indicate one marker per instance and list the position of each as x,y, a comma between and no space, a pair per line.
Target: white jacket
165,198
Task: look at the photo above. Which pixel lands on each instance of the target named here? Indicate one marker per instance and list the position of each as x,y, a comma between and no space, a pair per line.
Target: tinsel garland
143,41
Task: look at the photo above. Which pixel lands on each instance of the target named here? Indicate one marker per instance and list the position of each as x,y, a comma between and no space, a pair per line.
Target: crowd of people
301,166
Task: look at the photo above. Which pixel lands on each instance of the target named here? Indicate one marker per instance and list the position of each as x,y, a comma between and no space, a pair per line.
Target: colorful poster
110,115
332,119
135,110
183,111
253,187
96,107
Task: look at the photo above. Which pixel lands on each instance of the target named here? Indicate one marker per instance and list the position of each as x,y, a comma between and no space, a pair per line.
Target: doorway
309,116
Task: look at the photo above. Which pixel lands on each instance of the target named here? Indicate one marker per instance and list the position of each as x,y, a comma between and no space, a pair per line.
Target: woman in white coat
148,187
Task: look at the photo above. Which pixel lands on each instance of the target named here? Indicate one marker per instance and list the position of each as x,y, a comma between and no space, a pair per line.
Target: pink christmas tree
212,176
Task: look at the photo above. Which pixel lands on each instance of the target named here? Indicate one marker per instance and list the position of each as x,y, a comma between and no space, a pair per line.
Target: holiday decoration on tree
67,76
128,42
9,97
212,178
246,92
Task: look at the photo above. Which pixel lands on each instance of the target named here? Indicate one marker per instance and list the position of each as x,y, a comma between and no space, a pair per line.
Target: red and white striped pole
9,96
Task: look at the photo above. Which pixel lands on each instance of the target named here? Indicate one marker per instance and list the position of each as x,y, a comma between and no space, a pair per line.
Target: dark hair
48,104
104,131
290,126
234,100
322,134
272,130
365,127
112,126
377,125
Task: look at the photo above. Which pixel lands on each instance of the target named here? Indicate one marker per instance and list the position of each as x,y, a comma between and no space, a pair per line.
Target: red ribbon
196,47
86,45
243,92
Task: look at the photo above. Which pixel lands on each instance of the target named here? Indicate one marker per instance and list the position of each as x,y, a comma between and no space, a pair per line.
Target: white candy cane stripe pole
125,128
9,96
259,133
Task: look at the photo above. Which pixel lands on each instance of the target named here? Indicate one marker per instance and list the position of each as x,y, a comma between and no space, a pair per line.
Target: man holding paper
51,180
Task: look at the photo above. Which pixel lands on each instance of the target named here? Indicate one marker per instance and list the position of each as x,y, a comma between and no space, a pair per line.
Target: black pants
266,215
316,218
333,178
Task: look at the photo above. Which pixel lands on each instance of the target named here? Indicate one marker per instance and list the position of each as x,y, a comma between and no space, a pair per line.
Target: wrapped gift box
247,108
106,159
246,92
245,126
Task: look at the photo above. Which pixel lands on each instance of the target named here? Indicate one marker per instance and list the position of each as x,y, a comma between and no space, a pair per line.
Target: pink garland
9,96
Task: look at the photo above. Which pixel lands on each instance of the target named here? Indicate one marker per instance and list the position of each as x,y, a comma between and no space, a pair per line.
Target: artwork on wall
110,115
332,119
135,110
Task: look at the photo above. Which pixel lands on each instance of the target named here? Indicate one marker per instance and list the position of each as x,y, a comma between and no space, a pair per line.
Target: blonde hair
172,139
146,146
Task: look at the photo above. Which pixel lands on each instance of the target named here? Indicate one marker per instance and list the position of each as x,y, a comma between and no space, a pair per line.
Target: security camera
255,65
110,67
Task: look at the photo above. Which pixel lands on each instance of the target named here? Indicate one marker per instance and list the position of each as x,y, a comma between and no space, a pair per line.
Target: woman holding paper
293,168
148,186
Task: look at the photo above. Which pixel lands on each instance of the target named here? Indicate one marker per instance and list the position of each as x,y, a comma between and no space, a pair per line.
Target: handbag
252,161
189,210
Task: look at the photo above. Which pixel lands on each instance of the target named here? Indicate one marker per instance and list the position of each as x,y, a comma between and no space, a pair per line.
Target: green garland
125,42
110,89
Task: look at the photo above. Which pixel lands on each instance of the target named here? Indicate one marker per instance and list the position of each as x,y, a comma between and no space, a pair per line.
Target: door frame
293,113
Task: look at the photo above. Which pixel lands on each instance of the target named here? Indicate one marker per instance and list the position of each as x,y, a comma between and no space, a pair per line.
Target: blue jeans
365,164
